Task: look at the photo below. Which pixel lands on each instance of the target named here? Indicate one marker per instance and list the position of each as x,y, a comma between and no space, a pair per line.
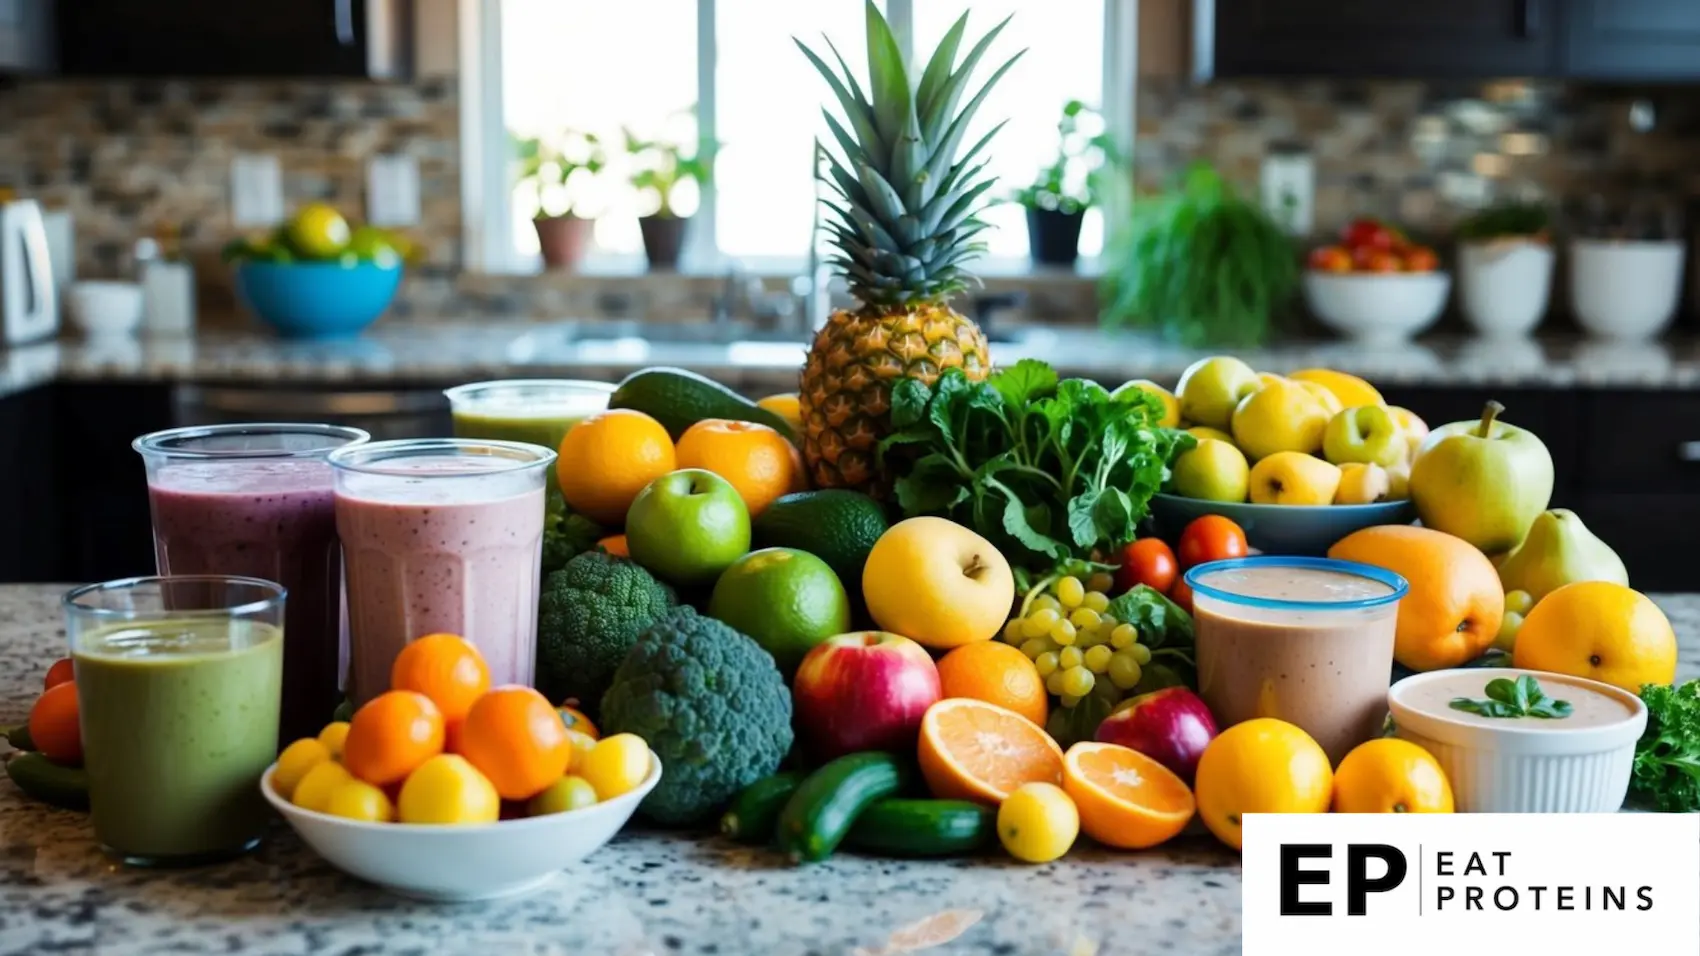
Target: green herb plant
1666,772
1200,263
1073,183
545,163
1048,470
660,166
1522,697
1507,220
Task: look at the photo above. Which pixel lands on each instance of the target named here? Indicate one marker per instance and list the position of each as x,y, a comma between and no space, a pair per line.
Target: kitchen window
727,71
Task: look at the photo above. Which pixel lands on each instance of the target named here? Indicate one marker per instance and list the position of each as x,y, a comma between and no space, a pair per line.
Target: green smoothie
179,721
541,428
536,411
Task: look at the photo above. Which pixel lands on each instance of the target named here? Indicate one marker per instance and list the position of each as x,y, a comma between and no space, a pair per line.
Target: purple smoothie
275,520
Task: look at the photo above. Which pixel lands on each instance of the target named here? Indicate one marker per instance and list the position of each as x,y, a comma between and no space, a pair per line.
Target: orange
755,459
574,719
444,667
54,725
1389,775
1263,765
972,750
515,737
1598,630
997,674
615,544
391,735
1453,610
1125,798
608,458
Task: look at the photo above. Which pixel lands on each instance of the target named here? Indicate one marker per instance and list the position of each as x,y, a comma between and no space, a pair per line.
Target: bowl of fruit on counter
315,276
444,788
1298,461
1376,285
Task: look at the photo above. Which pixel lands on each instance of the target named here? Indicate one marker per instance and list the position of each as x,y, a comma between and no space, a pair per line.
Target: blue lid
1370,571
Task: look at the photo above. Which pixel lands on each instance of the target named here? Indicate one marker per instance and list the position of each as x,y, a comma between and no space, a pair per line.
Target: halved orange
1125,798
972,750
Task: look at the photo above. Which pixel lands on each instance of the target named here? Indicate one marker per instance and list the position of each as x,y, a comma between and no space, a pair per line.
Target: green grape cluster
1077,646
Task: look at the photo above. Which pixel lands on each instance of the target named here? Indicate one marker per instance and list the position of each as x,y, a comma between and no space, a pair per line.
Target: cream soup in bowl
1564,745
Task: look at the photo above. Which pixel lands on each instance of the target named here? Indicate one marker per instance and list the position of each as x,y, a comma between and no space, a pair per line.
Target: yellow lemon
359,800
448,789
333,737
293,764
315,789
1599,630
583,744
318,231
1037,822
786,406
1349,389
615,765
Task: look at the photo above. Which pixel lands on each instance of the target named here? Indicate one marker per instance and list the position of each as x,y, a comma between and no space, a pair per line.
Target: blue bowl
1280,529
317,300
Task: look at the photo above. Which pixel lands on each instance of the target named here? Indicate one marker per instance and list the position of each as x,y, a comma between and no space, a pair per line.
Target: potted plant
1057,201
1505,264
562,235
660,167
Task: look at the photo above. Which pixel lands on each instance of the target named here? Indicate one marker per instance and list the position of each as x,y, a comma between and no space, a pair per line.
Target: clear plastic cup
537,411
1305,640
441,535
257,500
179,682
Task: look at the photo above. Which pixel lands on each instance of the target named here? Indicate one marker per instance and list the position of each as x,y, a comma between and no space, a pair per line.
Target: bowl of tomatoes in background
1375,285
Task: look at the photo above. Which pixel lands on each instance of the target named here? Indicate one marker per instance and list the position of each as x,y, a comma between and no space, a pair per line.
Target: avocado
679,399
837,526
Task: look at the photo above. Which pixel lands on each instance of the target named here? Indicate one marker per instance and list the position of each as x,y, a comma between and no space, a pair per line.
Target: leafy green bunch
1073,183
1526,219
1048,470
1667,758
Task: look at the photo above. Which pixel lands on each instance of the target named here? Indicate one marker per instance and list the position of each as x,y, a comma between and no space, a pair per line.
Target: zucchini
900,827
19,736
754,814
816,818
45,780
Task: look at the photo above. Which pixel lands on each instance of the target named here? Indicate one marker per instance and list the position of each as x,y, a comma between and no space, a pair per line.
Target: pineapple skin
844,395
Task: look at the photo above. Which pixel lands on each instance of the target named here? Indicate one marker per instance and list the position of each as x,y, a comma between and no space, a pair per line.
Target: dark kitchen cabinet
1632,39
26,36
29,502
1431,38
104,529
301,38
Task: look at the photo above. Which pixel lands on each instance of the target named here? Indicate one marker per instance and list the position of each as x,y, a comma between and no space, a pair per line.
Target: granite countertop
469,350
646,893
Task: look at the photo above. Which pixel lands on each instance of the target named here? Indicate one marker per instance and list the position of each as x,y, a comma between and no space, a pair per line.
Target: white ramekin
1524,769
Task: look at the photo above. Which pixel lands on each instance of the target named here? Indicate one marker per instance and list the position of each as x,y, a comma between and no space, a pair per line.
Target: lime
318,231
788,600
374,245
568,793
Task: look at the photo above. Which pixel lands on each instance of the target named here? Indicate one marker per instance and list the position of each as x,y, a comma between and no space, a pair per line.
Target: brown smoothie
1322,668
1588,707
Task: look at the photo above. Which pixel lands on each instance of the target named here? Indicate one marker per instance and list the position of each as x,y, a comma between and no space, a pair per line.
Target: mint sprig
1522,697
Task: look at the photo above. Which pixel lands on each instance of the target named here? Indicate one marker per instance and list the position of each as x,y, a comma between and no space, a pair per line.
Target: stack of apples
1314,437
1369,245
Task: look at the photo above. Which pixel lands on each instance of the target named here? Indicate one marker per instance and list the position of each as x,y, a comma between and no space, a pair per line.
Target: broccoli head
565,533
712,706
590,614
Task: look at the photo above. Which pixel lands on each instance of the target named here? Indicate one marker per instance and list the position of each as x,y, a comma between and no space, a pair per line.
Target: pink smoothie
274,520
453,550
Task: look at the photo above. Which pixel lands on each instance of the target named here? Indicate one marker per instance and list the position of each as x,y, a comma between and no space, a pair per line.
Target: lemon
583,744
318,231
565,794
333,736
616,765
786,405
359,800
448,789
1038,822
293,764
315,789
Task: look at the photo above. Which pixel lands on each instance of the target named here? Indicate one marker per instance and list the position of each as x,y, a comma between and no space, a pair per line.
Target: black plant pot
1054,237
663,239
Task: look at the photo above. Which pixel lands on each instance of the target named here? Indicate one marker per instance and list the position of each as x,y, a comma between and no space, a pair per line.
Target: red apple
863,691
1171,726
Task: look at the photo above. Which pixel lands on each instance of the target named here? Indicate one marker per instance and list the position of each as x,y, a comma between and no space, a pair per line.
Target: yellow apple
937,583
1367,433
1413,428
1399,481
1213,471
1202,432
1361,484
1211,388
1284,416
1294,478
1328,399
1350,389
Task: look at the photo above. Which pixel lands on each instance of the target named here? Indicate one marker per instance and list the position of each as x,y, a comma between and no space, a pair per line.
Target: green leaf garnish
1522,697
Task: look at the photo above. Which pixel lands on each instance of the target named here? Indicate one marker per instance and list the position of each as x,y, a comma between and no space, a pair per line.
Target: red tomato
1362,233
1211,538
1382,262
59,673
1182,595
54,728
1147,561
1420,259
1331,259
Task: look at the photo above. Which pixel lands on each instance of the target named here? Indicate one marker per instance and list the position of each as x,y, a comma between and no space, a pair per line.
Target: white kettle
29,299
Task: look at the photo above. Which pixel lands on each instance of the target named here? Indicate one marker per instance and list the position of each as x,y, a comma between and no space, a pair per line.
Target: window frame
486,177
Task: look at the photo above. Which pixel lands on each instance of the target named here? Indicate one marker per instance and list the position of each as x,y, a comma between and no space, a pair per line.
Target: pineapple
901,229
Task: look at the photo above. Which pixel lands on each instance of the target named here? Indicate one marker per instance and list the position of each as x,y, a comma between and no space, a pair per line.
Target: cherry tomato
1182,595
1331,259
59,673
1360,233
1382,262
1147,561
1420,259
1211,538
53,726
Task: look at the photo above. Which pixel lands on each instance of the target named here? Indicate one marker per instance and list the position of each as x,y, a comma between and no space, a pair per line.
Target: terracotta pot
563,240
663,239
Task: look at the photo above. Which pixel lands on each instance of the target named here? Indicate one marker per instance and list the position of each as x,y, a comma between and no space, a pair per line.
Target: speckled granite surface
646,893
468,351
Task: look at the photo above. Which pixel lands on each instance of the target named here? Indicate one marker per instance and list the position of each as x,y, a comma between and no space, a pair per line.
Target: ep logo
1360,857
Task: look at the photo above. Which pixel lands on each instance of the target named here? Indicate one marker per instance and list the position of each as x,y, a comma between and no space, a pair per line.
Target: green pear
1483,481
1560,550
1211,471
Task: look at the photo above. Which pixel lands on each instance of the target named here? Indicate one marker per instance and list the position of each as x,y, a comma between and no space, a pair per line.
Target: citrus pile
444,747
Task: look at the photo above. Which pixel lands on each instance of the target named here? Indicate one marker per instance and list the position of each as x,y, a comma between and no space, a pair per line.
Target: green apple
1283,415
1212,471
1483,481
1210,389
1367,434
688,526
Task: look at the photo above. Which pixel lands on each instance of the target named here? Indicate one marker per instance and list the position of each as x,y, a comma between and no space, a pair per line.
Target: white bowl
1379,308
1524,769
103,309
1504,286
461,863
1625,291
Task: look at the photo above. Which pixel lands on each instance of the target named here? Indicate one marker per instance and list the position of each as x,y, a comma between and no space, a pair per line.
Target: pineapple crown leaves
904,223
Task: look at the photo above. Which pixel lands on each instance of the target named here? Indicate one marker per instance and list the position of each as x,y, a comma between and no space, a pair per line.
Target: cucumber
816,818
754,815
900,827
45,780
19,736
679,399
